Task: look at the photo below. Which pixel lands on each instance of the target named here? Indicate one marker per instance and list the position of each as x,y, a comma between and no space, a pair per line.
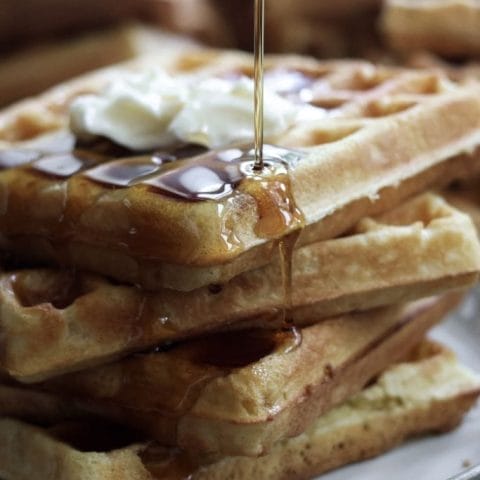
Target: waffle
54,321
52,63
430,393
348,171
239,393
447,27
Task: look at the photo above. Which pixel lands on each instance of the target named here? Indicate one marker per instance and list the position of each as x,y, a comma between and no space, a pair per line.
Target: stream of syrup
286,245
259,47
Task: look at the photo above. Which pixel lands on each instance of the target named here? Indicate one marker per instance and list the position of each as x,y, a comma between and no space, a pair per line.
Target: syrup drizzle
125,172
132,170
286,248
259,47
211,176
276,206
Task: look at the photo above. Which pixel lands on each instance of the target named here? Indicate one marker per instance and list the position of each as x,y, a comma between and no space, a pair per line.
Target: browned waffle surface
54,321
430,392
448,27
385,134
240,392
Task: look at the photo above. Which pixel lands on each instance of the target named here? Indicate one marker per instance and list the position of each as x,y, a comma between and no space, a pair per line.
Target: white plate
443,456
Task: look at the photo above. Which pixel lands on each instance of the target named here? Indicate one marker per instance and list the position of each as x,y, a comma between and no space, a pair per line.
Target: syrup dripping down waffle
386,134
54,321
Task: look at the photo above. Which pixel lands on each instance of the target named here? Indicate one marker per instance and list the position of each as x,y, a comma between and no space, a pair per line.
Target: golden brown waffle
241,392
387,134
58,321
430,393
447,27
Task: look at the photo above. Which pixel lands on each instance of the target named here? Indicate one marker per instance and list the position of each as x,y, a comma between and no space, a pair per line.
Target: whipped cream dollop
153,109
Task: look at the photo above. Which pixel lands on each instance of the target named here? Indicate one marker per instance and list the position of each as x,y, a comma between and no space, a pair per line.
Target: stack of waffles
193,319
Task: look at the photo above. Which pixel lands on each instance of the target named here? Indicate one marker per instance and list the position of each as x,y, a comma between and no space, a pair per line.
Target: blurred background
43,42
218,22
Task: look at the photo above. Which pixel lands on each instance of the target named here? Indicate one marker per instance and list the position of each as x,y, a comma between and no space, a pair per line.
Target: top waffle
384,135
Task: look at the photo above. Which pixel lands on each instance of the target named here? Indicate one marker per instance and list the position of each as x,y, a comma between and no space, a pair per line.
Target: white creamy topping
153,110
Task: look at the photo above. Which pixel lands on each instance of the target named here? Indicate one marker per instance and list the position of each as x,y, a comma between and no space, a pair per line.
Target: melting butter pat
152,109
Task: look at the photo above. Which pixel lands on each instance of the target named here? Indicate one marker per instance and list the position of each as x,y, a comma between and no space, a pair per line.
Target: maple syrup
272,191
277,210
211,176
286,248
124,172
259,47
